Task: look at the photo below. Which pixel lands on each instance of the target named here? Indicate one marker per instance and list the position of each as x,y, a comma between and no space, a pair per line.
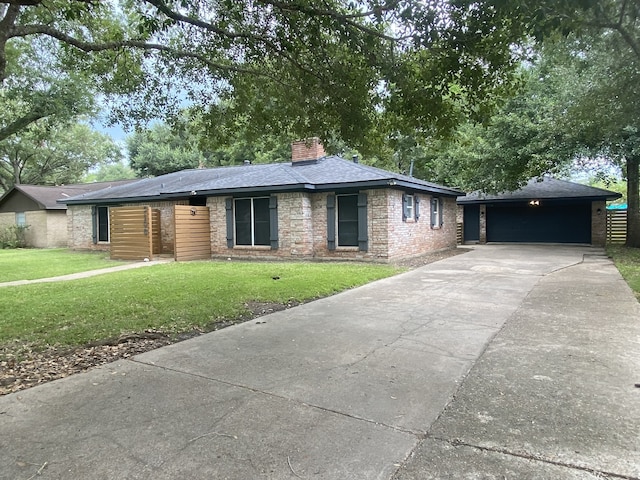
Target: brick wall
412,238
302,229
598,224
80,229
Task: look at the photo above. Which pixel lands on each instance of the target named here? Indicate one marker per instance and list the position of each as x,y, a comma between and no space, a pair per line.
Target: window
100,224
252,221
410,207
436,212
103,224
21,219
347,221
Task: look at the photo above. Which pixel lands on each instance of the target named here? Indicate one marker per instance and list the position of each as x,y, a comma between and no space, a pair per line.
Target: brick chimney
307,151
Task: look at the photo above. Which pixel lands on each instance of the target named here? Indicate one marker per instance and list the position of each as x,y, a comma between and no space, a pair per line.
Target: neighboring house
546,211
36,206
315,206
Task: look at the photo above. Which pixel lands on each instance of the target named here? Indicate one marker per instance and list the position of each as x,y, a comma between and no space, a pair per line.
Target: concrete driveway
505,362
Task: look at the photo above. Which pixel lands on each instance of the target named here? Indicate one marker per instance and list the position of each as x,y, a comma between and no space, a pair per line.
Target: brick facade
47,228
302,228
598,224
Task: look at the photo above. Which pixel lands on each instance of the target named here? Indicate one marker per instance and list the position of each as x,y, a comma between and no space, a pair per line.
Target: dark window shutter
331,222
404,208
416,206
94,223
229,208
434,206
441,211
363,236
273,221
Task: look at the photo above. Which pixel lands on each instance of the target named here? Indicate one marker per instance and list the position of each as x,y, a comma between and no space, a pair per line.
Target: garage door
541,224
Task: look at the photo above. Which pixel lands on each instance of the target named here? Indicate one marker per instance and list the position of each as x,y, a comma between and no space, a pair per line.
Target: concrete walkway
508,362
87,274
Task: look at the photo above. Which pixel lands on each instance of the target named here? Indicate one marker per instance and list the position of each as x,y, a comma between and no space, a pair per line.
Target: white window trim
411,204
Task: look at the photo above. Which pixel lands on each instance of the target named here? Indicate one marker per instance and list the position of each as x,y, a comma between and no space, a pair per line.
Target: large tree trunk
633,202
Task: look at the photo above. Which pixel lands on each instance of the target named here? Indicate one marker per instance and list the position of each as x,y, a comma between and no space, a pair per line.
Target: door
471,223
551,223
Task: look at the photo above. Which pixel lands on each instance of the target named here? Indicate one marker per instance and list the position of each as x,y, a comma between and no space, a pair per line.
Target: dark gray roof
545,188
46,196
326,174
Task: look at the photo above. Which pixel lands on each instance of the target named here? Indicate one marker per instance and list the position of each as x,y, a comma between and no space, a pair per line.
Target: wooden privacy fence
192,234
134,232
616,226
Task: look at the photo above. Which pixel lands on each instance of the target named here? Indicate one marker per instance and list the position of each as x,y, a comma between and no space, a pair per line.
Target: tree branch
22,122
348,19
626,36
89,47
266,41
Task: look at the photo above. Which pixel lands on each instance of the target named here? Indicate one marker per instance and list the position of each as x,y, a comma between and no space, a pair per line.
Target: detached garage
546,211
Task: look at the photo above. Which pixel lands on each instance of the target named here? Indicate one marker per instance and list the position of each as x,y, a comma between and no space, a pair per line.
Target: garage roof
545,188
324,174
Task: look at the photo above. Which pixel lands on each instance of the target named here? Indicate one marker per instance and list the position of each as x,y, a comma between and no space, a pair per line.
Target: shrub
13,236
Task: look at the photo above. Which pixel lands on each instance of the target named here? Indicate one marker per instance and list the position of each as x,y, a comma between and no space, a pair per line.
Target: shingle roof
46,196
547,188
327,173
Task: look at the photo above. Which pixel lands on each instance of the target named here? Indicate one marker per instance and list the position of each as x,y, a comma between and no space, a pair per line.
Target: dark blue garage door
541,224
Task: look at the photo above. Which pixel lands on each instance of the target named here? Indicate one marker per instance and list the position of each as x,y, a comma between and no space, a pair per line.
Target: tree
165,148
579,101
53,154
337,68
110,172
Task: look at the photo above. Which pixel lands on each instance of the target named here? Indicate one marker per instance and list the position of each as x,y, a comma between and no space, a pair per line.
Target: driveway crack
531,456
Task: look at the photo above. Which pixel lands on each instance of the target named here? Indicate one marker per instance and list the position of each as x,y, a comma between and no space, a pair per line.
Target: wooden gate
134,232
193,233
616,226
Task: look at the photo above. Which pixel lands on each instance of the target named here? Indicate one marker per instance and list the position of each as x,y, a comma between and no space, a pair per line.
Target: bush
13,236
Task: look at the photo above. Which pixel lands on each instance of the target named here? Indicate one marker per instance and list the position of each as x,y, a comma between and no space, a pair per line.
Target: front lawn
170,298
628,262
29,264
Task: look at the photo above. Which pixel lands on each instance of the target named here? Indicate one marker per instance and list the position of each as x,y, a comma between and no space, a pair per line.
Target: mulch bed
28,368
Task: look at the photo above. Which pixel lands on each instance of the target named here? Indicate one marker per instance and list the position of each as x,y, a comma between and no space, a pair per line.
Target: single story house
36,206
542,211
315,206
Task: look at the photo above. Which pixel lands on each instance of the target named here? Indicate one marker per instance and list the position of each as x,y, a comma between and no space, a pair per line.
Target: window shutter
273,221
229,209
94,223
434,211
331,222
404,208
441,211
416,207
363,236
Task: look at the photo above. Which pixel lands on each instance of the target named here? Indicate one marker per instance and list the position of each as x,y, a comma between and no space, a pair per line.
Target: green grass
172,298
628,262
29,264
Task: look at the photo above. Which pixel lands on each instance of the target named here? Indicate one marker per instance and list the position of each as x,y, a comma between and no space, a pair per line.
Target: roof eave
593,198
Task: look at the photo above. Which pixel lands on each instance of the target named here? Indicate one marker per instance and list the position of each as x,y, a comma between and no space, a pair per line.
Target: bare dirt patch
22,367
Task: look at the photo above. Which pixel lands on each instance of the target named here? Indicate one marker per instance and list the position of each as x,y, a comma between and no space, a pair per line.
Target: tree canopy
55,154
302,68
